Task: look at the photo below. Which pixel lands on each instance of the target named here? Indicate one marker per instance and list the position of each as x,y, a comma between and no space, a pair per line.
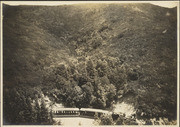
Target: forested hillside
89,55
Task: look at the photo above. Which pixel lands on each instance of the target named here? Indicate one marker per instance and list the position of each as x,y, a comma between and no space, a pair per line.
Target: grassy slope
39,39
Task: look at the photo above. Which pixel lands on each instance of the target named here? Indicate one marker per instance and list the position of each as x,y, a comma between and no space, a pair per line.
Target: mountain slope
91,55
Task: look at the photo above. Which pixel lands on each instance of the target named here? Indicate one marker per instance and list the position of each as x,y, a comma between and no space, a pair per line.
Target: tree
44,114
90,68
106,120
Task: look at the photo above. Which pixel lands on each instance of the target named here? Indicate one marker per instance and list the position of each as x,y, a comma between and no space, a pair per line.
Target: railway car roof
94,110
65,109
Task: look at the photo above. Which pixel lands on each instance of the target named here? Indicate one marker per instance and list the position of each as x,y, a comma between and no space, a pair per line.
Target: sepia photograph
89,63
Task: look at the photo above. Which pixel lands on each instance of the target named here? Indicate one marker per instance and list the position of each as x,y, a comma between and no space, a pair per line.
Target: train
79,112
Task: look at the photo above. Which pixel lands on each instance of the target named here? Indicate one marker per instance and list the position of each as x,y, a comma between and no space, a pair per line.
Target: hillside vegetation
89,55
